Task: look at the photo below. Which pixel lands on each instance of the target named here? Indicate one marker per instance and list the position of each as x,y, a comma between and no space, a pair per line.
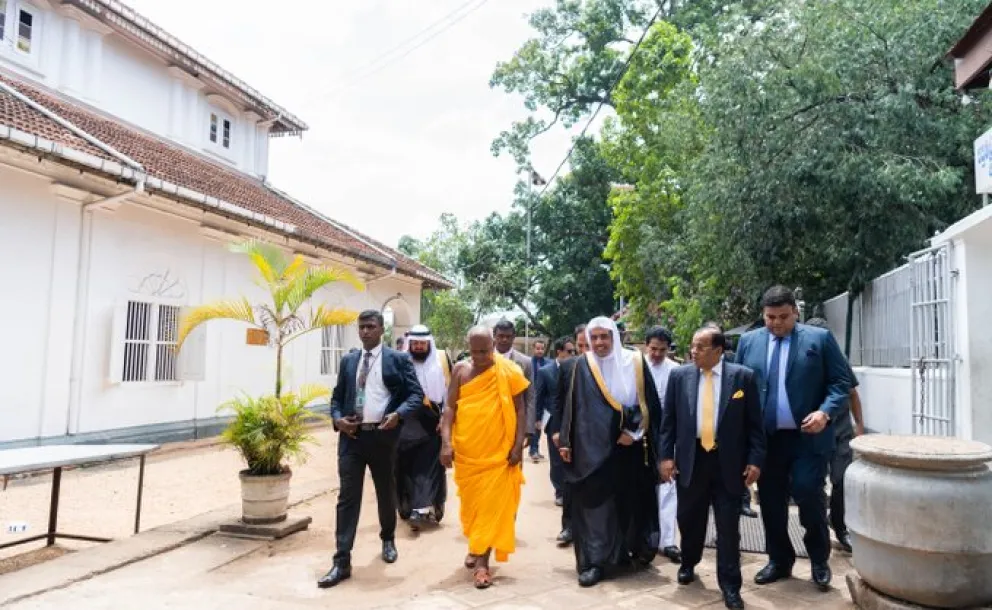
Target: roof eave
83,161
154,39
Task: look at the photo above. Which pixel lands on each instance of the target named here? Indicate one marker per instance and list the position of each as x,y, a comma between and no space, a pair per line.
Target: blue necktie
771,405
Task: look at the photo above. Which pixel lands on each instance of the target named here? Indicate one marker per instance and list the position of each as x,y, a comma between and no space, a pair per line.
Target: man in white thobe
658,342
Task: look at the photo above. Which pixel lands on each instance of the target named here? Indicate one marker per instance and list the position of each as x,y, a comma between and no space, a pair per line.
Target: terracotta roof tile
172,163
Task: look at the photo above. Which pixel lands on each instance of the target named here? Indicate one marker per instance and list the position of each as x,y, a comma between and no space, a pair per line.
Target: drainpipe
80,311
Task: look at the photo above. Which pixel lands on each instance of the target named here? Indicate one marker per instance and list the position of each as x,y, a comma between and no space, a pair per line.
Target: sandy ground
220,573
180,482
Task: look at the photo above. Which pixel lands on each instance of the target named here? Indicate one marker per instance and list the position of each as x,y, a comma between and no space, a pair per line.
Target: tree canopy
813,144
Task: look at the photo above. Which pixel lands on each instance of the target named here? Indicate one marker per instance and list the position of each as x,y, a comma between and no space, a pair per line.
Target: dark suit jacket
740,434
398,375
527,366
563,374
545,390
816,376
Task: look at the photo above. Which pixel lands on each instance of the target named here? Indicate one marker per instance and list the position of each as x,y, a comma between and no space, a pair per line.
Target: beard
420,356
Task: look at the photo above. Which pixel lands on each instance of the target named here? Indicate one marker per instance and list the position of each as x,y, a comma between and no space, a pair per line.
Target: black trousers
841,459
560,485
377,451
534,447
557,467
707,488
791,469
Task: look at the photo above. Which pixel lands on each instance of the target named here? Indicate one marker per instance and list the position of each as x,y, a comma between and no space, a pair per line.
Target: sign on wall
983,163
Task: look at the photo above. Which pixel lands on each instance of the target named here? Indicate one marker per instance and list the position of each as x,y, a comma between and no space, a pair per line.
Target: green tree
653,139
838,143
448,313
566,281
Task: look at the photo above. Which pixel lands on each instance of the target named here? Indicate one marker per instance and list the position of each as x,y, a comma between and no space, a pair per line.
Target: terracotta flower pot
264,499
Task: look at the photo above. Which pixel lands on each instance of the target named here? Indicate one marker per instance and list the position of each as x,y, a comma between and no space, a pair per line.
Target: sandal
470,561
483,579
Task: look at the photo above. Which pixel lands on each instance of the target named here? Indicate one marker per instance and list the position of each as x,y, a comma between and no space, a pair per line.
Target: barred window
150,332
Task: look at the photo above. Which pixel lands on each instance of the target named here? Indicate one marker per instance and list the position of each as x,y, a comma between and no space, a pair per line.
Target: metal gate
931,332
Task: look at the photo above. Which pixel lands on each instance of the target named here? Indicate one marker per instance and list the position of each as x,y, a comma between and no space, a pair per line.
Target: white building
128,163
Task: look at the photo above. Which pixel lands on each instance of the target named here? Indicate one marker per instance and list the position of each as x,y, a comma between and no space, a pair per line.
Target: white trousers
667,505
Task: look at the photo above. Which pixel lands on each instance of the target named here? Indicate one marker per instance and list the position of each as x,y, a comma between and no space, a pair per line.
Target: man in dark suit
538,361
546,388
377,389
713,443
803,380
504,334
565,368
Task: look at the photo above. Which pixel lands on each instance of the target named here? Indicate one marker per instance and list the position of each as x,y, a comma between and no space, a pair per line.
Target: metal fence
932,338
879,322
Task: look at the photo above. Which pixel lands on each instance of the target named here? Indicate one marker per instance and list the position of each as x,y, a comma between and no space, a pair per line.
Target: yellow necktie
707,435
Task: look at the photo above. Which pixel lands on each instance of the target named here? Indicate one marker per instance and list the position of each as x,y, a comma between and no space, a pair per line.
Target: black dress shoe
673,553
686,575
821,575
389,554
564,537
559,501
334,576
771,573
590,577
747,511
844,539
732,600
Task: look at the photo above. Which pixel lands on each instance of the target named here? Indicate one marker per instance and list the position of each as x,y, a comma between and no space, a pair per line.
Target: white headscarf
429,372
617,368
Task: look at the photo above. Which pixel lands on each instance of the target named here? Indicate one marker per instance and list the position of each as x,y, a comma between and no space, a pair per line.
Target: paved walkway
182,480
219,572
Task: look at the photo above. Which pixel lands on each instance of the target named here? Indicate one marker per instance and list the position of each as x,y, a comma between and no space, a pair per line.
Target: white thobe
667,492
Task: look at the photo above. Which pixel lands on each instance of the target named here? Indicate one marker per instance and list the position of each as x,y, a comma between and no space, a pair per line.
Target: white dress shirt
660,374
377,397
717,375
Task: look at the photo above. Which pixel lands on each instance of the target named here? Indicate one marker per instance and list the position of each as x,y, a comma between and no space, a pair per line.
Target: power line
376,69
602,102
406,41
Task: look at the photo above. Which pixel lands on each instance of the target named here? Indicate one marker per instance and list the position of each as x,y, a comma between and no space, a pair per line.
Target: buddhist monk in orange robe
482,433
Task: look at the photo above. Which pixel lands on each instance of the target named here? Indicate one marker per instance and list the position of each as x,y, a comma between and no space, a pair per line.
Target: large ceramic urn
919,510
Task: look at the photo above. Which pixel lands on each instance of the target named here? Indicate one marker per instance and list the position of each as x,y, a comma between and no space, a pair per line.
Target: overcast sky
389,153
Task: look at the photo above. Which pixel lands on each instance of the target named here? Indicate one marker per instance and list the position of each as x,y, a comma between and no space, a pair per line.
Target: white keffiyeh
617,368
429,372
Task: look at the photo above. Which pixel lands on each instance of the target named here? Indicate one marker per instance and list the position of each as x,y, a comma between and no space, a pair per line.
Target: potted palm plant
271,430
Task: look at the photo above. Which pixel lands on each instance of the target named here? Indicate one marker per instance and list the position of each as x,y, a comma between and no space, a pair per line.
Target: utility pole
535,181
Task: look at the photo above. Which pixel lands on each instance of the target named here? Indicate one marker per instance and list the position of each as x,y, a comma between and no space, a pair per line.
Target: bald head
480,345
479,331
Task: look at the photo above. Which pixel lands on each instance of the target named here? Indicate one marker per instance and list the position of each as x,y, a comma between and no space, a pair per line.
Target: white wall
27,249
886,399
135,253
972,250
85,59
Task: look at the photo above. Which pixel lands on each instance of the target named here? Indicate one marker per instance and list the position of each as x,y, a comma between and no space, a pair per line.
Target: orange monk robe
483,434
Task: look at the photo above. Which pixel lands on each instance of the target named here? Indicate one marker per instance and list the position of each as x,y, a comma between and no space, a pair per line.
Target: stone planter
919,510
264,499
